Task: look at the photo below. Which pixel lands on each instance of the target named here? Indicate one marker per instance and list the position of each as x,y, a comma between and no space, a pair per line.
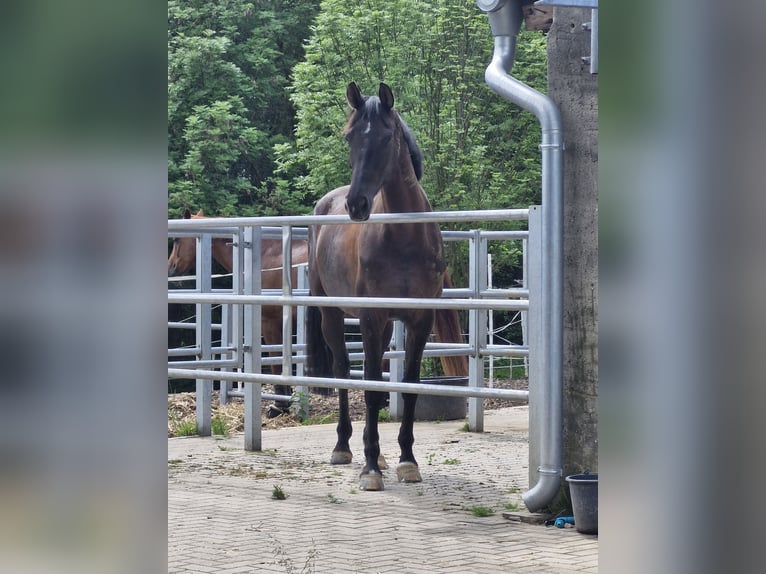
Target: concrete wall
575,91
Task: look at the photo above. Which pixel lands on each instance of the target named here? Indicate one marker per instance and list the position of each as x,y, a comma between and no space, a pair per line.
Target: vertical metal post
533,276
594,41
491,325
226,337
524,314
230,321
252,338
477,328
204,387
396,370
287,291
238,286
300,337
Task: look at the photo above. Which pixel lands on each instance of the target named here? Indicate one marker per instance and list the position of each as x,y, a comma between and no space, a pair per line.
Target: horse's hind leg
272,335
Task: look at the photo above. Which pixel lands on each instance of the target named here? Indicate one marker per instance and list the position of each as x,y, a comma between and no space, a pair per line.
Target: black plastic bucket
438,408
584,491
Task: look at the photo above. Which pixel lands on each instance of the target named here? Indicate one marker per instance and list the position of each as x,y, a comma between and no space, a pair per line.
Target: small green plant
219,426
465,427
174,461
431,456
512,506
332,499
419,491
299,405
384,416
354,491
323,420
277,493
186,428
482,511
451,461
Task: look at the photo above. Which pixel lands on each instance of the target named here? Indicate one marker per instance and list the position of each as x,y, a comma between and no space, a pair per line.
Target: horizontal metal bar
190,326
504,351
494,293
179,278
449,235
212,291
348,302
184,352
301,220
322,382
264,396
189,366
301,233
569,3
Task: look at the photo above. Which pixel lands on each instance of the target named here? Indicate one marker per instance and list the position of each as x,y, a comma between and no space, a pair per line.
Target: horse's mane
415,154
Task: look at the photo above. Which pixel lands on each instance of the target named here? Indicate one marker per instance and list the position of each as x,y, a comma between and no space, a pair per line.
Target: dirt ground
181,408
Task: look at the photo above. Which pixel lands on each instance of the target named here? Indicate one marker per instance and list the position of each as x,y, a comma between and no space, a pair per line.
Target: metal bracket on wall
592,25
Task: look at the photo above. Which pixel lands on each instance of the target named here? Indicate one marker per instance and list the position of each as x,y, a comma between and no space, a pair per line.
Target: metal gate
240,347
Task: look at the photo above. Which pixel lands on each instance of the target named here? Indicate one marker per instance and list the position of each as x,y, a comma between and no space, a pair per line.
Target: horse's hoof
341,457
408,472
382,464
371,481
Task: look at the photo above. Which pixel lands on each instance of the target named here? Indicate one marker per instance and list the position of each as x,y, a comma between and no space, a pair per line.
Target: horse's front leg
334,335
417,335
376,332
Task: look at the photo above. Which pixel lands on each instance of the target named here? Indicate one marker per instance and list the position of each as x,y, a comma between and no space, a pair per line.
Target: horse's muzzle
358,210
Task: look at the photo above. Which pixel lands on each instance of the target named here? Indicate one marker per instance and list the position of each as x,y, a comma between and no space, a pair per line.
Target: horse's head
184,254
373,132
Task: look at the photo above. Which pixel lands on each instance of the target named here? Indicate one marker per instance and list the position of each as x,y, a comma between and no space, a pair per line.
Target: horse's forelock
371,111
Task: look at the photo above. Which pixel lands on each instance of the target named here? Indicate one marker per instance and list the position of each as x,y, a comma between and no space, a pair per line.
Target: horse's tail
318,354
447,330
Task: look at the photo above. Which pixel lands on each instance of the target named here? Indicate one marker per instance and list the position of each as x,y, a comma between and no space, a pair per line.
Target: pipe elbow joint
541,494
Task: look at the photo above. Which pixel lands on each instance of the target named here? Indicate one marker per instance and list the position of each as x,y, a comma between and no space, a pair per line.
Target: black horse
377,260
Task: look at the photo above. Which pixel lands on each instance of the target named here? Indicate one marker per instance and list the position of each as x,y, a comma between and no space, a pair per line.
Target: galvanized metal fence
240,349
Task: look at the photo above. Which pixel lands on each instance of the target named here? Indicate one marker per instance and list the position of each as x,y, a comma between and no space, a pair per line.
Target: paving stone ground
222,517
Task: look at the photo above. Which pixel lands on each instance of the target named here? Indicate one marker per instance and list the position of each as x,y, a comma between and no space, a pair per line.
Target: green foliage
228,69
256,105
481,511
277,493
219,426
186,428
480,151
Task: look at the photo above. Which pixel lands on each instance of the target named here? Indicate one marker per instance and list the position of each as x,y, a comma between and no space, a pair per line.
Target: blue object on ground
562,521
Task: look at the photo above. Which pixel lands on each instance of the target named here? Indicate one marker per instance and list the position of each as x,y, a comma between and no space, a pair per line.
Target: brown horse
377,260
183,258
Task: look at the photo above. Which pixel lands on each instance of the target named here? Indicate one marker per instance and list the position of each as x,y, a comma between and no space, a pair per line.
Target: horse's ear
386,96
187,213
354,96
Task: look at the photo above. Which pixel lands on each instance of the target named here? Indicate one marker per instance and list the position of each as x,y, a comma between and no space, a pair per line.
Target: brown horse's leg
418,330
271,331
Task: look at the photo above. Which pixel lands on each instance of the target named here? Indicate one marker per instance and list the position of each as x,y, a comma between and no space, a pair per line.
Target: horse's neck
222,252
401,190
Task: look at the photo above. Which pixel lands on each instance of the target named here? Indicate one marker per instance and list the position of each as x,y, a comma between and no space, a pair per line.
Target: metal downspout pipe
505,18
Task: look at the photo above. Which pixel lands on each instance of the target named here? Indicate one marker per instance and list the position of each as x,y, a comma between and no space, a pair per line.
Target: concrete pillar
575,91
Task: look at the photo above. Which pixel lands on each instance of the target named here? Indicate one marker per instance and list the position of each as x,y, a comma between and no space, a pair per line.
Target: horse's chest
402,274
